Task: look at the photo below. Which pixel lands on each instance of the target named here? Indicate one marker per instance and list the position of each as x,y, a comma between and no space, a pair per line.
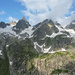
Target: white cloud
10,19
38,10
67,20
2,12
72,12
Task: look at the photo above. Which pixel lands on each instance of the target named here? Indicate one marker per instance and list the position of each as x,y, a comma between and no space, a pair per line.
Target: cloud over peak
38,10
10,19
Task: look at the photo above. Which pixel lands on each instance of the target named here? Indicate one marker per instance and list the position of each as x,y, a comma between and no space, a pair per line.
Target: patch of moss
46,55
32,66
73,56
58,71
60,54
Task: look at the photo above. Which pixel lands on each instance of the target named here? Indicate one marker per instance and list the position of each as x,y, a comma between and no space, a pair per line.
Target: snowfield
72,32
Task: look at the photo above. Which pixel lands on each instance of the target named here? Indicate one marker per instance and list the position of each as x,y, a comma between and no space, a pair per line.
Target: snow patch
1,52
12,24
36,44
8,29
52,51
46,50
59,28
54,34
72,32
7,45
11,62
29,31
63,49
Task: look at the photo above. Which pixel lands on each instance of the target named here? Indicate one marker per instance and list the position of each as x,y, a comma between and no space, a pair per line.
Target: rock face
21,25
44,49
71,25
3,25
50,36
47,27
13,23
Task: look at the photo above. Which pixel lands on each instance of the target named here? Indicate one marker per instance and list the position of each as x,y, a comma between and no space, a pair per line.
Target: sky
35,11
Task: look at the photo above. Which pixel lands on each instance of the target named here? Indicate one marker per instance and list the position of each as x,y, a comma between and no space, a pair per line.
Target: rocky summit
43,49
3,25
21,25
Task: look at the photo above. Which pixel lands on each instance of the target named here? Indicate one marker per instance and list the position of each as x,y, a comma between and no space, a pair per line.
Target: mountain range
43,49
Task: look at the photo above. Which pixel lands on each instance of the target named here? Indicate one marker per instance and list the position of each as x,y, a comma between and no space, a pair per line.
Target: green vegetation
21,49
4,64
32,66
58,71
23,52
73,56
61,53
46,55
27,61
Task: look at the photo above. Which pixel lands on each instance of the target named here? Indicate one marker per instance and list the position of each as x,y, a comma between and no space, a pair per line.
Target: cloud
2,12
38,10
10,19
67,20
72,12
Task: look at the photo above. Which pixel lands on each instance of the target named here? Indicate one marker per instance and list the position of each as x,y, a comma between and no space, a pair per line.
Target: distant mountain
71,25
3,25
13,23
71,29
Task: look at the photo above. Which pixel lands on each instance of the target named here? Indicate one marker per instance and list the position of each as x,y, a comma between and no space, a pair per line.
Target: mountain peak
56,23
13,23
23,18
71,25
3,24
21,25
